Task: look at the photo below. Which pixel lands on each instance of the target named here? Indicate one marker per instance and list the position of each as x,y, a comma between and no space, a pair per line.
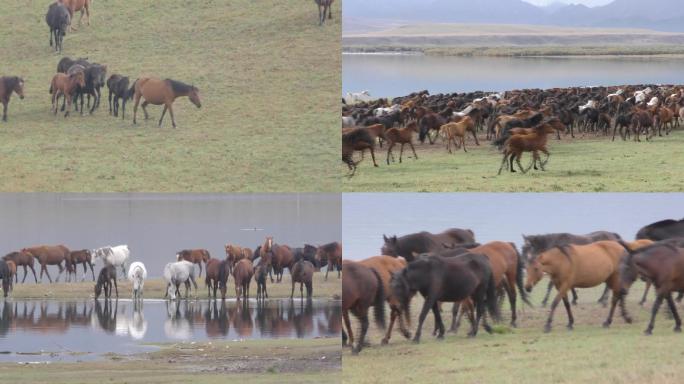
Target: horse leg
574,296
643,298
455,317
603,300
25,273
162,115
463,143
371,150
517,160
616,297
427,305
388,334
389,152
654,311
475,137
173,120
136,101
123,108
44,266
4,111
554,304
510,291
503,162
34,274
415,156
438,321
675,314
347,324
364,328
116,288
144,108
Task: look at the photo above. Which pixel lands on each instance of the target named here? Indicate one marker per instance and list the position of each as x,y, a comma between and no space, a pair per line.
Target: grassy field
588,354
268,76
582,165
257,361
156,288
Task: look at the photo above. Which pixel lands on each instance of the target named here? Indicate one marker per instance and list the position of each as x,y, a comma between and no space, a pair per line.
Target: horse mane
565,250
179,87
10,82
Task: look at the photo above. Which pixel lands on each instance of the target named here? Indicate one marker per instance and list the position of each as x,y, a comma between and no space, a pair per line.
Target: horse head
194,96
534,274
390,246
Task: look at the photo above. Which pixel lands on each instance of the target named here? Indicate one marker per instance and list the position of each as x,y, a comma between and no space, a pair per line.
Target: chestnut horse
83,257
157,92
213,278
195,256
9,84
242,273
362,288
67,85
235,253
534,142
282,258
331,255
74,6
49,255
23,259
401,136
385,266
580,266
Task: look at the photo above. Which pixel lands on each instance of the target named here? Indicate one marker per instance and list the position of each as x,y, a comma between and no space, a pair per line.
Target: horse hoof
355,351
384,342
547,328
489,329
678,329
513,324
606,324
648,332
416,341
628,320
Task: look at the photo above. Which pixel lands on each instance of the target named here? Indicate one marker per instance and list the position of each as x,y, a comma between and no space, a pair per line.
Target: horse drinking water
176,273
137,275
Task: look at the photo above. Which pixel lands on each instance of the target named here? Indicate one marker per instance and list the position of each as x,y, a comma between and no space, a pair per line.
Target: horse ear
394,239
385,238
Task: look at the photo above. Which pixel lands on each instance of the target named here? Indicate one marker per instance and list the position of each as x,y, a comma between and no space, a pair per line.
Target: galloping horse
9,84
361,289
23,259
195,256
157,92
534,142
49,255
137,275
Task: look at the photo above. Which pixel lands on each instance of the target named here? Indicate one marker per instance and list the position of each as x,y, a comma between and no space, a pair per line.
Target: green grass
584,165
588,354
268,75
257,361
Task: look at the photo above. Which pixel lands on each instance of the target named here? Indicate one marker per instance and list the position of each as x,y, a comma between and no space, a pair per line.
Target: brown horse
74,6
83,257
302,273
580,266
357,139
9,84
362,288
385,266
67,85
214,275
533,142
459,129
236,253
49,255
260,275
282,258
195,256
22,259
242,273
331,255
157,92
401,136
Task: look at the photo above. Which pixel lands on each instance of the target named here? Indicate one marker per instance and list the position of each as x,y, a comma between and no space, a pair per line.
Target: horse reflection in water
109,318
39,317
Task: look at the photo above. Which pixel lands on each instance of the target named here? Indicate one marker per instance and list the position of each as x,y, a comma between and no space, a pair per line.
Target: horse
533,142
260,275
94,80
242,273
356,140
282,258
6,277
213,275
223,274
66,85
580,266
662,230
9,84
440,279
235,253
323,6
536,244
385,266
307,252
58,20
195,256
84,257
331,255
176,273
662,263
12,272
104,282
115,256
157,92
23,259
65,63
361,289
401,136
137,275
451,130
423,242
302,272
118,89
74,6
49,255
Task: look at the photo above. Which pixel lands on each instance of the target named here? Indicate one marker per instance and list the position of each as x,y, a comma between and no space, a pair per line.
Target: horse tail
501,140
379,301
519,271
131,91
492,298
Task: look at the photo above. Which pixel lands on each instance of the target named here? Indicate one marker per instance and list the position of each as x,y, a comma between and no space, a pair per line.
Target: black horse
104,282
661,230
58,19
118,89
66,62
454,279
5,276
424,242
323,6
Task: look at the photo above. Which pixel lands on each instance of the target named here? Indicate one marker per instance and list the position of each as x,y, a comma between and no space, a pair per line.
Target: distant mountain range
660,15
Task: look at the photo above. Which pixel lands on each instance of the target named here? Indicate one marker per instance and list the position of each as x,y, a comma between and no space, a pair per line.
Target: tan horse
385,266
74,6
63,84
580,266
157,92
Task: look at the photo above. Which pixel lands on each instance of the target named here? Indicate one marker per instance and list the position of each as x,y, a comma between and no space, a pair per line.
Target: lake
79,330
398,75
497,216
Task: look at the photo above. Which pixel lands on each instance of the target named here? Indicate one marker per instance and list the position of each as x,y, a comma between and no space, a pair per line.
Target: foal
532,142
401,136
66,85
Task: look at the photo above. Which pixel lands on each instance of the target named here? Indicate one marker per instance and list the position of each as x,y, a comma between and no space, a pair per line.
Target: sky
590,3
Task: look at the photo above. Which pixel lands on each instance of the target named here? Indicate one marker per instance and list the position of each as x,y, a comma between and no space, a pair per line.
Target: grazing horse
424,242
137,275
74,6
176,273
118,89
24,259
260,275
536,244
49,255
661,263
214,275
330,255
104,282
58,19
242,273
579,266
195,256
157,92
362,288
9,84
440,279
323,7
6,277
302,273
385,266
115,256
83,256
63,84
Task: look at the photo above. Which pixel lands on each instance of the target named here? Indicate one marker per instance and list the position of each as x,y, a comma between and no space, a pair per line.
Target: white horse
354,97
348,121
177,273
653,102
464,112
377,112
589,104
137,275
115,256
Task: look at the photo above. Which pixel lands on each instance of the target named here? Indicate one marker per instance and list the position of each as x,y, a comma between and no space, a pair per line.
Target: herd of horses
516,122
240,263
452,267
